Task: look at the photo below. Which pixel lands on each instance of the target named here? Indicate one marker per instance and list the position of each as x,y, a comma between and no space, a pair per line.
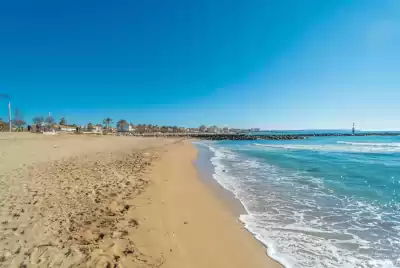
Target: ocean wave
233,184
312,228
371,144
344,147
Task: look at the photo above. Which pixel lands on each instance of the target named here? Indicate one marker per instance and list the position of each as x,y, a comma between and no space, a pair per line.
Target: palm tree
107,121
121,124
62,121
90,126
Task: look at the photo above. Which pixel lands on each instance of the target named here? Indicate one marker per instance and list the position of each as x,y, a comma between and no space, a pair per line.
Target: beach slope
80,201
187,225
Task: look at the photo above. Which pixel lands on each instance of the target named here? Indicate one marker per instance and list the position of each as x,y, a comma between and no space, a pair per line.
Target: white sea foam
304,228
346,147
371,144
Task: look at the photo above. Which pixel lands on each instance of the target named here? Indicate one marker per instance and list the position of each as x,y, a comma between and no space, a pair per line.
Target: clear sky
259,63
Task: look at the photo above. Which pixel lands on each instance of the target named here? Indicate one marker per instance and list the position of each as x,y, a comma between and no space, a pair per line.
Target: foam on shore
296,232
217,172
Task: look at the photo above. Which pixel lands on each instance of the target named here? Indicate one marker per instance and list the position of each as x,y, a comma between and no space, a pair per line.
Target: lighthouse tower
354,129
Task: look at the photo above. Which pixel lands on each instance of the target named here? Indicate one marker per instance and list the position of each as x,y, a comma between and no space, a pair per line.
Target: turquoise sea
320,202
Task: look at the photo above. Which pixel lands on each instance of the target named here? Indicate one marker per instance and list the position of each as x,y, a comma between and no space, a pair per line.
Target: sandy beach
96,201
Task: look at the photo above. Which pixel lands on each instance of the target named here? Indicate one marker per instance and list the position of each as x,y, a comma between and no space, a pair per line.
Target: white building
193,130
213,129
97,129
67,128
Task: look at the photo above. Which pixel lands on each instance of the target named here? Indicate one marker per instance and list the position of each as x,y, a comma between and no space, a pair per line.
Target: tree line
18,122
144,128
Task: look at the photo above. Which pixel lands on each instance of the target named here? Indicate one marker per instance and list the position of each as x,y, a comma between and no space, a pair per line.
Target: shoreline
200,229
206,170
77,201
284,219
227,197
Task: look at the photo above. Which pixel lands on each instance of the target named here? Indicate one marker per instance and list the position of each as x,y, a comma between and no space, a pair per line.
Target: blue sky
269,64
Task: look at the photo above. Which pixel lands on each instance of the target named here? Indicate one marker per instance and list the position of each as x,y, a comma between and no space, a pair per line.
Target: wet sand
206,172
196,226
80,201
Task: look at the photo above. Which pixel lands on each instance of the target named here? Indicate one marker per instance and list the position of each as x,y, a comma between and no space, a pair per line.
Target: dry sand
78,201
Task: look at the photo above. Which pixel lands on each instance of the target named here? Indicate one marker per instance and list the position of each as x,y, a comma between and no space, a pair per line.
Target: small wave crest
339,147
371,144
313,228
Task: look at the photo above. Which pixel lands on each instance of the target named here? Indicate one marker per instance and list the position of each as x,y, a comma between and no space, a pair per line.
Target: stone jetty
210,136
233,136
245,137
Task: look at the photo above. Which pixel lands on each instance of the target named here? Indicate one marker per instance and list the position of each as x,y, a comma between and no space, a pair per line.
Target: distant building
213,129
123,128
67,128
193,130
237,130
202,128
97,128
